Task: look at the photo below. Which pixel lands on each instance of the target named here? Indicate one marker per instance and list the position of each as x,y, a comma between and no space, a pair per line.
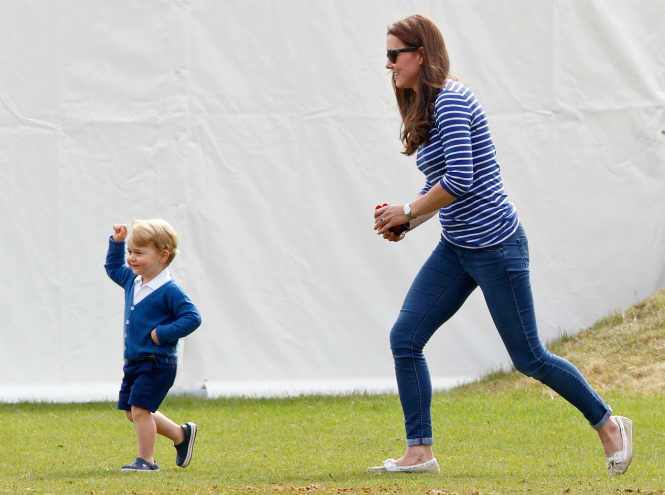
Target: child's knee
138,413
130,416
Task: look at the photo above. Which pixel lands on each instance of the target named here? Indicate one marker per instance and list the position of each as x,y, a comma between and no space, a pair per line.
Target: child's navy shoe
184,449
140,465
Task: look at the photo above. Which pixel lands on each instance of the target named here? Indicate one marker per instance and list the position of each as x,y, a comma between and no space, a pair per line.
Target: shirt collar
163,277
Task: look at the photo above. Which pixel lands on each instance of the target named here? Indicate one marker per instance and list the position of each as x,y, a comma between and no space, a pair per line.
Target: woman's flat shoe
390,466
618,462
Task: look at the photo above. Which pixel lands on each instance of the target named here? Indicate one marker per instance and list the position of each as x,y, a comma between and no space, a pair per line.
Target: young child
157,314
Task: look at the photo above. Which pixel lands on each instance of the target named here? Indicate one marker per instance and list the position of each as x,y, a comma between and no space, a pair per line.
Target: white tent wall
266,132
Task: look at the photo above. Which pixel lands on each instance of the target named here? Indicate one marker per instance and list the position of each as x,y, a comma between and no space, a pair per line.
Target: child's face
146,261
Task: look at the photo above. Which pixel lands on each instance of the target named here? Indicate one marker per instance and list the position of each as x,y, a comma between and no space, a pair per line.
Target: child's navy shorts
146,383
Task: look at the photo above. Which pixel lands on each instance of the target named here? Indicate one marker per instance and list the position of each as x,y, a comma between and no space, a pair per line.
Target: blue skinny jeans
444,282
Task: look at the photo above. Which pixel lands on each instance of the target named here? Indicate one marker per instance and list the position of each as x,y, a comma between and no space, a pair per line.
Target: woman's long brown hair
416,107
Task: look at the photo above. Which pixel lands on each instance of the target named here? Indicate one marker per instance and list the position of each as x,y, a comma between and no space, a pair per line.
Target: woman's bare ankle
610,436
416,454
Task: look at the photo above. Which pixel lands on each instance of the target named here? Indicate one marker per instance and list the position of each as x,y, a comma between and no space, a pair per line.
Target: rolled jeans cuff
410,442
602,422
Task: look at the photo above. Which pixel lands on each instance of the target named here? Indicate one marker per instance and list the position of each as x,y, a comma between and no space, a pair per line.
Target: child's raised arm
119,232
115,265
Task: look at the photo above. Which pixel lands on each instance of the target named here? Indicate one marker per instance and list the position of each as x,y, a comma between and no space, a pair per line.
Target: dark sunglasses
392,54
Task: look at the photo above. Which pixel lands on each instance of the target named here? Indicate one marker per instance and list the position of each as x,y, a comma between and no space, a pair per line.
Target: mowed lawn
502,435
514,441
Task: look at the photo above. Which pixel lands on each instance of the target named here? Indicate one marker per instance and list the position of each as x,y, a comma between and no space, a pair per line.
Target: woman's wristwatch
407,211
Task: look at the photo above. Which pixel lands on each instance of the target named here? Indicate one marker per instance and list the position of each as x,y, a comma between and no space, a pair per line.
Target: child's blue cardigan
168,309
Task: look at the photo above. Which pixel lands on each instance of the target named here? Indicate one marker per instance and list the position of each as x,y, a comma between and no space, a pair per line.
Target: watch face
407,209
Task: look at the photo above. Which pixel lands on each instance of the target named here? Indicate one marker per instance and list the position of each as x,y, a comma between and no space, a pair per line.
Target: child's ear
164,257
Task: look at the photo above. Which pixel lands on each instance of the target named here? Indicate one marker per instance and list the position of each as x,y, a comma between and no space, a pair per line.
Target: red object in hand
397,229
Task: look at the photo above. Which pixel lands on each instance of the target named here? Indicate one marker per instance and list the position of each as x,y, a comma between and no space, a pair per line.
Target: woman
482,244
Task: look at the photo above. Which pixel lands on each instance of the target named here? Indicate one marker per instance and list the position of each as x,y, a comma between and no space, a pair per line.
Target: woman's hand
153,336
119,232
389,216
392,237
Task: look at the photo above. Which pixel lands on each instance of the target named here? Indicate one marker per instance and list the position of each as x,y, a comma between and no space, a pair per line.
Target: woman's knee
534,367
130,416
401,340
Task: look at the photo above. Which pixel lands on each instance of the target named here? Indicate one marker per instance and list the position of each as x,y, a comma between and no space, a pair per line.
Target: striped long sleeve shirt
460,155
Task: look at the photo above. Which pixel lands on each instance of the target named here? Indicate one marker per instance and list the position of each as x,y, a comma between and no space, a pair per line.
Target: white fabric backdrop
266,132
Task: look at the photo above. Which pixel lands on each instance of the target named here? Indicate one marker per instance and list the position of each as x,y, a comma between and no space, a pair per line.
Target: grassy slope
502,435
624,353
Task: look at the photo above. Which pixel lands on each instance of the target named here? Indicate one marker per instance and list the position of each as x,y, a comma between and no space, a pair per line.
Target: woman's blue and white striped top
460,155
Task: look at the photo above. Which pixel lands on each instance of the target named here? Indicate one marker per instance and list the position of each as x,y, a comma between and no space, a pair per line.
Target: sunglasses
392,54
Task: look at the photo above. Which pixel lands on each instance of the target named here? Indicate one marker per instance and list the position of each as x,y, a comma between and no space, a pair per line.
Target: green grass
515,441
504,434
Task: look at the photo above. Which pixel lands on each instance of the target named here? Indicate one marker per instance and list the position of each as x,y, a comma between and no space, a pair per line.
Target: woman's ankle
610,436
416,454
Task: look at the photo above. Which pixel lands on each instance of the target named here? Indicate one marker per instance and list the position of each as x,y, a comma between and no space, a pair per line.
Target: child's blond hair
157,231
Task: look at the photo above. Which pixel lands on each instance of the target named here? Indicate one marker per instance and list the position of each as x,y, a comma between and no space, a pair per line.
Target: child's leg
146,432
165,427
168,428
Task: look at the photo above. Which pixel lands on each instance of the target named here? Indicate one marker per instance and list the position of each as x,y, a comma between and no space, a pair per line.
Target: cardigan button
127,322
132,308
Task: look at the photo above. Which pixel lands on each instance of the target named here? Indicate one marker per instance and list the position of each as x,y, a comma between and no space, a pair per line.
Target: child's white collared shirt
142,291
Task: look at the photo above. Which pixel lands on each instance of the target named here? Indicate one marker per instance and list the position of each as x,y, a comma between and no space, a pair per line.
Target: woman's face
406,69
